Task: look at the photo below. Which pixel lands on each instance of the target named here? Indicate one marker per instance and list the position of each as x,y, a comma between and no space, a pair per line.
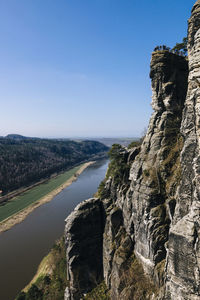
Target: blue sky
81,67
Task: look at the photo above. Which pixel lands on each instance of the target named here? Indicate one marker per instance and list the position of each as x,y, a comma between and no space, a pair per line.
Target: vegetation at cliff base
101,292
135,283
50,282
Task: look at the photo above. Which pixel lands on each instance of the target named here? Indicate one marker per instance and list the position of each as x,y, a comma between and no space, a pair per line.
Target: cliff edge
141,236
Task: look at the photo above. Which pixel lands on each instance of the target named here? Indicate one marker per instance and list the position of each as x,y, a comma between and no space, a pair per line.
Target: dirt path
20,216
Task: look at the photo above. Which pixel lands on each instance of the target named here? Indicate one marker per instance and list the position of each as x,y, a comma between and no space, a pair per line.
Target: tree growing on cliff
118,168
114,152
181,47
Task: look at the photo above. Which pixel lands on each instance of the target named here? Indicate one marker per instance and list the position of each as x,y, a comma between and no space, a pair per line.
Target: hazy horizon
76,137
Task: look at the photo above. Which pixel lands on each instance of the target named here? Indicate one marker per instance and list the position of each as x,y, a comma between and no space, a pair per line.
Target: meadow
34,194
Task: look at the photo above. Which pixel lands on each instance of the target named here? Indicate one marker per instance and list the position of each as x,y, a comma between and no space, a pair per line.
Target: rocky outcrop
183,260
145,203
150,203
84,233
151,175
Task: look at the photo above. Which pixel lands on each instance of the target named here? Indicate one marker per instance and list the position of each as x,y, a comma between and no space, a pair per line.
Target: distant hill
24,160
109,141
16,137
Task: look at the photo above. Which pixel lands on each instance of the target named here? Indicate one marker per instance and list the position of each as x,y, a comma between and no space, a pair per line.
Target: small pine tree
181,47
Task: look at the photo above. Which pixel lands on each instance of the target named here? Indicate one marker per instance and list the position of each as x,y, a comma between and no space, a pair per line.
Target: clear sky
81,67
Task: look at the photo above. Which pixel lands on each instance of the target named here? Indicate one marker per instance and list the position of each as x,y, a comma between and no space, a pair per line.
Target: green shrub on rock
118,167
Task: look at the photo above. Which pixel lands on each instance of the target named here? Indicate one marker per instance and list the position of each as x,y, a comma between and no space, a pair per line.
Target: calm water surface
23,247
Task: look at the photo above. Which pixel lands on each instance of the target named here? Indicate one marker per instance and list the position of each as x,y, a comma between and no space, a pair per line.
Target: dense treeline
24,161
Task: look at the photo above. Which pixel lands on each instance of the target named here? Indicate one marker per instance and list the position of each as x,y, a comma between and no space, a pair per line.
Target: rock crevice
147,223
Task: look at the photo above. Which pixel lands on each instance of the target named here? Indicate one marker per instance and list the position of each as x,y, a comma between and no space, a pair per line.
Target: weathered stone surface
117,248
137,210
149,172
183,260
143,205
154,215
84,231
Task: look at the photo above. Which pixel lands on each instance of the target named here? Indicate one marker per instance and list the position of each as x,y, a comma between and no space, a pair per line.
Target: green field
24,200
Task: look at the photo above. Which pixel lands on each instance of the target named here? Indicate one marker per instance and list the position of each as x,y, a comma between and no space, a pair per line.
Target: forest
24,161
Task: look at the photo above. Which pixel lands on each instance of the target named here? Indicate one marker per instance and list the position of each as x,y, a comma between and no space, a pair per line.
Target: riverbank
50,279
18,217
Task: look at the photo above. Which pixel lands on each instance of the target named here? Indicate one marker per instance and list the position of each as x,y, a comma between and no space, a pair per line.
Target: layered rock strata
183,259
149,211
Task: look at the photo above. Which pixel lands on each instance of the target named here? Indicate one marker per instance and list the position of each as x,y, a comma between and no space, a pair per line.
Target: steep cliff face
153,176
149,230
146,202
183,260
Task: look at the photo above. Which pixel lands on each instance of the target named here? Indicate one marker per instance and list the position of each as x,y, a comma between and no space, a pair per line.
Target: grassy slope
33,195
50,281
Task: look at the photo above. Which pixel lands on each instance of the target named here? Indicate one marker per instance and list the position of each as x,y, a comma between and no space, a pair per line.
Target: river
23,247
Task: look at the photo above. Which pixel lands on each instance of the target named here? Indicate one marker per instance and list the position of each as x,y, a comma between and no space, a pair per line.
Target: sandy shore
20,216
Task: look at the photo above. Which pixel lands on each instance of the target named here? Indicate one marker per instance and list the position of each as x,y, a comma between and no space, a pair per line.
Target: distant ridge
16,137
25,161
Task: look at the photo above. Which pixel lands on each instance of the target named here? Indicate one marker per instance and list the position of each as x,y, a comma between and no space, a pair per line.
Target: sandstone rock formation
144,237
183,259
84,232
